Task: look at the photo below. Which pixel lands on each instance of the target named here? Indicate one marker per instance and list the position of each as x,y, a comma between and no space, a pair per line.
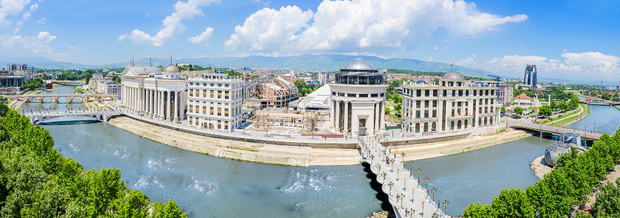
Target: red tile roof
523,96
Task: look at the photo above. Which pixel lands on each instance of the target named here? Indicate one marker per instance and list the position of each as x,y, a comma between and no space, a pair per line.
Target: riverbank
240,150
438,149
540,169
300,155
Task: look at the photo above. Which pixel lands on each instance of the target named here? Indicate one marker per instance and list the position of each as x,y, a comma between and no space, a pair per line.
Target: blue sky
573,39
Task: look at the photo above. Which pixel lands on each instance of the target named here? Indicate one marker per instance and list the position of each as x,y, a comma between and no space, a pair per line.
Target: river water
206,186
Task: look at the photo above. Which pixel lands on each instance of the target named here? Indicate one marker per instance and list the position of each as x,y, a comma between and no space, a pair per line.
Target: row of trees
568,184
608,200
35,181
35,83
607,95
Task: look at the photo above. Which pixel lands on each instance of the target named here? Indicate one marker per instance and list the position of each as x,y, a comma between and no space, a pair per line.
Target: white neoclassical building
358,98
214,101
455,104
149,92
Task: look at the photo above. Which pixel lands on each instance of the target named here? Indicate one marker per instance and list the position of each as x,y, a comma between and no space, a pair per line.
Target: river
207,186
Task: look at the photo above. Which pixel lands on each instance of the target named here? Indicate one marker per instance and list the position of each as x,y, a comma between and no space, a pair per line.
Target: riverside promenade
405,193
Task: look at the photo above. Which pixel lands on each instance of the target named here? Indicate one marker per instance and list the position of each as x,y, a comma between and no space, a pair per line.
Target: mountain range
301,63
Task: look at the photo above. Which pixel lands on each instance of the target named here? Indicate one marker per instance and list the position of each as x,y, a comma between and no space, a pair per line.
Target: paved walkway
405,193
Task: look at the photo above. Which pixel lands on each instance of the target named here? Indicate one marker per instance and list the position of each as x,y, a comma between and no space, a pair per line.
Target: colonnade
157,104
342,112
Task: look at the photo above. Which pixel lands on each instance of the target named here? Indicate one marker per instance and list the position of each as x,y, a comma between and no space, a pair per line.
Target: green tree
545,111
478,210
169,210
608,200
503,110
518,110
512,203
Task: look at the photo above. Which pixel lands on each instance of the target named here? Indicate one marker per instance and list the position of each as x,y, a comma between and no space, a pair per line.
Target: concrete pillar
382,114
176,105
346,117
168,104
337,116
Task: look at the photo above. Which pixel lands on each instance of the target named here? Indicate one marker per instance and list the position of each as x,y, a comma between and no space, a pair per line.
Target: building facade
455,104
358,98
505,94
108,87
523,101
531,76
149,92
214,102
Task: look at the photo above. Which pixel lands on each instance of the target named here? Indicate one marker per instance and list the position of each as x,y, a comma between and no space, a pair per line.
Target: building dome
171,69
358,64
453,76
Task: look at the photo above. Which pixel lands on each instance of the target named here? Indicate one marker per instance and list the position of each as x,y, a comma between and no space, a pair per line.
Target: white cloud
203,37
25,18
376,24
172,24
269,29
42,20
10,8
582,66
27,46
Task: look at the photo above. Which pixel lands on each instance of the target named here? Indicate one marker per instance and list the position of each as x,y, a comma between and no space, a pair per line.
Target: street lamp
594,129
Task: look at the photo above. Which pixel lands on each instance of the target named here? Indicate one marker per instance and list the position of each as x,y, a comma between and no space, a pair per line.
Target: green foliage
545,111
35,83
116,79
35,181
503,110
76,75
519,91
305,89
518,110
608,200
567,185
512,203
478,210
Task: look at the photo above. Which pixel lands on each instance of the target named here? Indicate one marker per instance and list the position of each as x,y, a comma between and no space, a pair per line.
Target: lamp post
594,128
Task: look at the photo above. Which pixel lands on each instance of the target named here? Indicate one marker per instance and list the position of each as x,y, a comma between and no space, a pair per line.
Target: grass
241,148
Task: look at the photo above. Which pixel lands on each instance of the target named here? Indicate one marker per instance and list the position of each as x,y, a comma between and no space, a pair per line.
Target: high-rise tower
530,77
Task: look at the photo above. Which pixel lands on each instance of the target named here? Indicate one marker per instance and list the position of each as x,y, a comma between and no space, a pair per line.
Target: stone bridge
405,193
55,97
587,135
37,117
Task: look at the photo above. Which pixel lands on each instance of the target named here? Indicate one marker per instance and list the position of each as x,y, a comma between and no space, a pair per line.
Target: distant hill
302,63
322,63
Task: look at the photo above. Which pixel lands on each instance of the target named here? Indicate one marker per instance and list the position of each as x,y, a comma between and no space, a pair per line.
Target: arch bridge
587,135
69,97
36,117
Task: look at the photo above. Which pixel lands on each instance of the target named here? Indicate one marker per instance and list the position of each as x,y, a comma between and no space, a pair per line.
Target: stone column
346,116
337,115
168,114
382,114
176,105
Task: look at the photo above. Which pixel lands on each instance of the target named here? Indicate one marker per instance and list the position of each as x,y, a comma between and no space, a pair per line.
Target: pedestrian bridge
37,117
55,97
587,135
405,193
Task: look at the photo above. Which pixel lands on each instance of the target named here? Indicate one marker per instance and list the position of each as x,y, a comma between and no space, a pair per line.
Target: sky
569,39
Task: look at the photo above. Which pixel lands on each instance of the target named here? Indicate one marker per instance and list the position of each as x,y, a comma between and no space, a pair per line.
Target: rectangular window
350,94
374,95
363,95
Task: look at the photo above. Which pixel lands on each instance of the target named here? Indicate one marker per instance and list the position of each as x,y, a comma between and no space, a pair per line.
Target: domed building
451,105
171,70
358,98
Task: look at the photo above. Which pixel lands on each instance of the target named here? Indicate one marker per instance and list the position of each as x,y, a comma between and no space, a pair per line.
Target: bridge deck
587,135
406,195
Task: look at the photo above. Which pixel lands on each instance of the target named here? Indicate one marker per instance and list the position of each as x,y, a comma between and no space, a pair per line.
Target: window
363,95
350,95
374,95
